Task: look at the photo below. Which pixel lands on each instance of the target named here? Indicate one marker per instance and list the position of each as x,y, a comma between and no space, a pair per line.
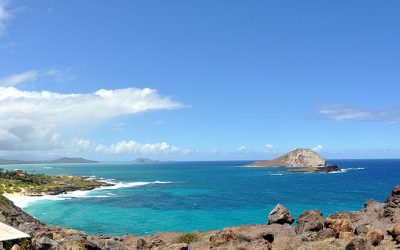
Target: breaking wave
24,201
344,170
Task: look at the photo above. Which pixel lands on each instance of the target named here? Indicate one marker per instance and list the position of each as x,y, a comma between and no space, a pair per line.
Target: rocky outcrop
310,221
325,169
371,228
280,215
297,158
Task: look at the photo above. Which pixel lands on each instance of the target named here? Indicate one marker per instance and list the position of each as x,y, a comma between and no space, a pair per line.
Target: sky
199,80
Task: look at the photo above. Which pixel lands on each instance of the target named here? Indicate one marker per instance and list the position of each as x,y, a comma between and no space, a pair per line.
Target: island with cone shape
299,160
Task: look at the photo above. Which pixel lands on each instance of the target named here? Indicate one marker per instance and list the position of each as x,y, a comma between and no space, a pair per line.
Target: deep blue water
205,195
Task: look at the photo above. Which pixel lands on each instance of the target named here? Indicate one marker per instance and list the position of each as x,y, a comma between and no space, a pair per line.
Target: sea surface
188,196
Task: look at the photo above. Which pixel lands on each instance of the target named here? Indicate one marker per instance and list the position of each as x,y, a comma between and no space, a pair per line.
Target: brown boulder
280,215
326,233
395,230
345,235
361,230
375,236
141,243
223,237
339,225
394,197
178,246
310,220
308,236
357,243
395,233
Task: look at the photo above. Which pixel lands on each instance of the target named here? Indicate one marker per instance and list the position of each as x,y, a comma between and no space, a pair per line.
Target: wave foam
24,201
118,185
344,170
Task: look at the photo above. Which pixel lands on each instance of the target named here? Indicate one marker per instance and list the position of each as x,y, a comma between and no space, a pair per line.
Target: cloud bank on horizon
33,120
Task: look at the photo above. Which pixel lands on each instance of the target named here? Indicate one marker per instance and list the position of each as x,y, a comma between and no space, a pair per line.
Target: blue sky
200,80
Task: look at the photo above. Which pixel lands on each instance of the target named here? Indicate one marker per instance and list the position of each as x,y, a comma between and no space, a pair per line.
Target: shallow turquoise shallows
188,196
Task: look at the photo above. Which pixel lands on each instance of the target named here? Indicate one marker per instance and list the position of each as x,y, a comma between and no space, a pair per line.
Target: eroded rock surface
297,158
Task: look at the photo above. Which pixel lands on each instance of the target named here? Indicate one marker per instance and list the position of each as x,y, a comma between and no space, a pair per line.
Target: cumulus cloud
5,15
134,147
318,148
83,143
340,113
32,120
242,148
270,149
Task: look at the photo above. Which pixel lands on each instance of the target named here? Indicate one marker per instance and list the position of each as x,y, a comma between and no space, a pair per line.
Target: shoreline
23,200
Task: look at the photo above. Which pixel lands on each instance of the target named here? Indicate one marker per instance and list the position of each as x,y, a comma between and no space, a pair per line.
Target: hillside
297,158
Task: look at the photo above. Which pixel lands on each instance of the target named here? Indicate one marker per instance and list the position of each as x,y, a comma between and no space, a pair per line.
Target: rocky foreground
377,226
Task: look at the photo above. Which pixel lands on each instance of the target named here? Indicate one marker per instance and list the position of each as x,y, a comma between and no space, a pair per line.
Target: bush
188,238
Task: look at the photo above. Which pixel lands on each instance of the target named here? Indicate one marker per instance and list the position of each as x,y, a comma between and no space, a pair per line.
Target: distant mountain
144,160
297,158
61,160
72,160
4,162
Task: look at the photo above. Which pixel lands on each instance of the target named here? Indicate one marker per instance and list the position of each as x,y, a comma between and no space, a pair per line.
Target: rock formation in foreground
297,158
377,226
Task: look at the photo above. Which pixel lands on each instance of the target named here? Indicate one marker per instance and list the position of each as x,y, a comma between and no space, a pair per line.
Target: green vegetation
188,238
37,184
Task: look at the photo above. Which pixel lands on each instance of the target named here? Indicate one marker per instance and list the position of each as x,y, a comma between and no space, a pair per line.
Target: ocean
188,196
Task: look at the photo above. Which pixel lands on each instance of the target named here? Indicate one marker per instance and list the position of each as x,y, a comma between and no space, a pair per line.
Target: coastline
377,226
22,200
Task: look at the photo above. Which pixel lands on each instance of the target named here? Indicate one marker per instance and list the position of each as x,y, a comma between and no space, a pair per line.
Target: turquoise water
188,196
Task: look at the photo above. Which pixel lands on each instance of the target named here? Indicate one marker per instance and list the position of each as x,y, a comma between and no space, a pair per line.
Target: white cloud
83,143
34,75
340,113
30,120
270,149
134,147
318,148
5,15
27,76
242,148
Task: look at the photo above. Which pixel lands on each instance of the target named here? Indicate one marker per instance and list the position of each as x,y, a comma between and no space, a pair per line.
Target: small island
299,160
17,182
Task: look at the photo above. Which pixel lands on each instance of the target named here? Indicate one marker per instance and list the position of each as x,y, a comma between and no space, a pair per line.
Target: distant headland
299,160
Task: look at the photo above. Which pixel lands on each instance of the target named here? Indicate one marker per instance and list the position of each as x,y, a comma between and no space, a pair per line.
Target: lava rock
375,237
178,246
361,230
310,220
326,233
357,243
280,215
339,225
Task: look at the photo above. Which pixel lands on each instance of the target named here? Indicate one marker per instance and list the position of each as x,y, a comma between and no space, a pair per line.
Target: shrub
188,238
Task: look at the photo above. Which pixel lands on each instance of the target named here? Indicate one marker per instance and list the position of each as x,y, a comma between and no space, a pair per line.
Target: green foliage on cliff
36,184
